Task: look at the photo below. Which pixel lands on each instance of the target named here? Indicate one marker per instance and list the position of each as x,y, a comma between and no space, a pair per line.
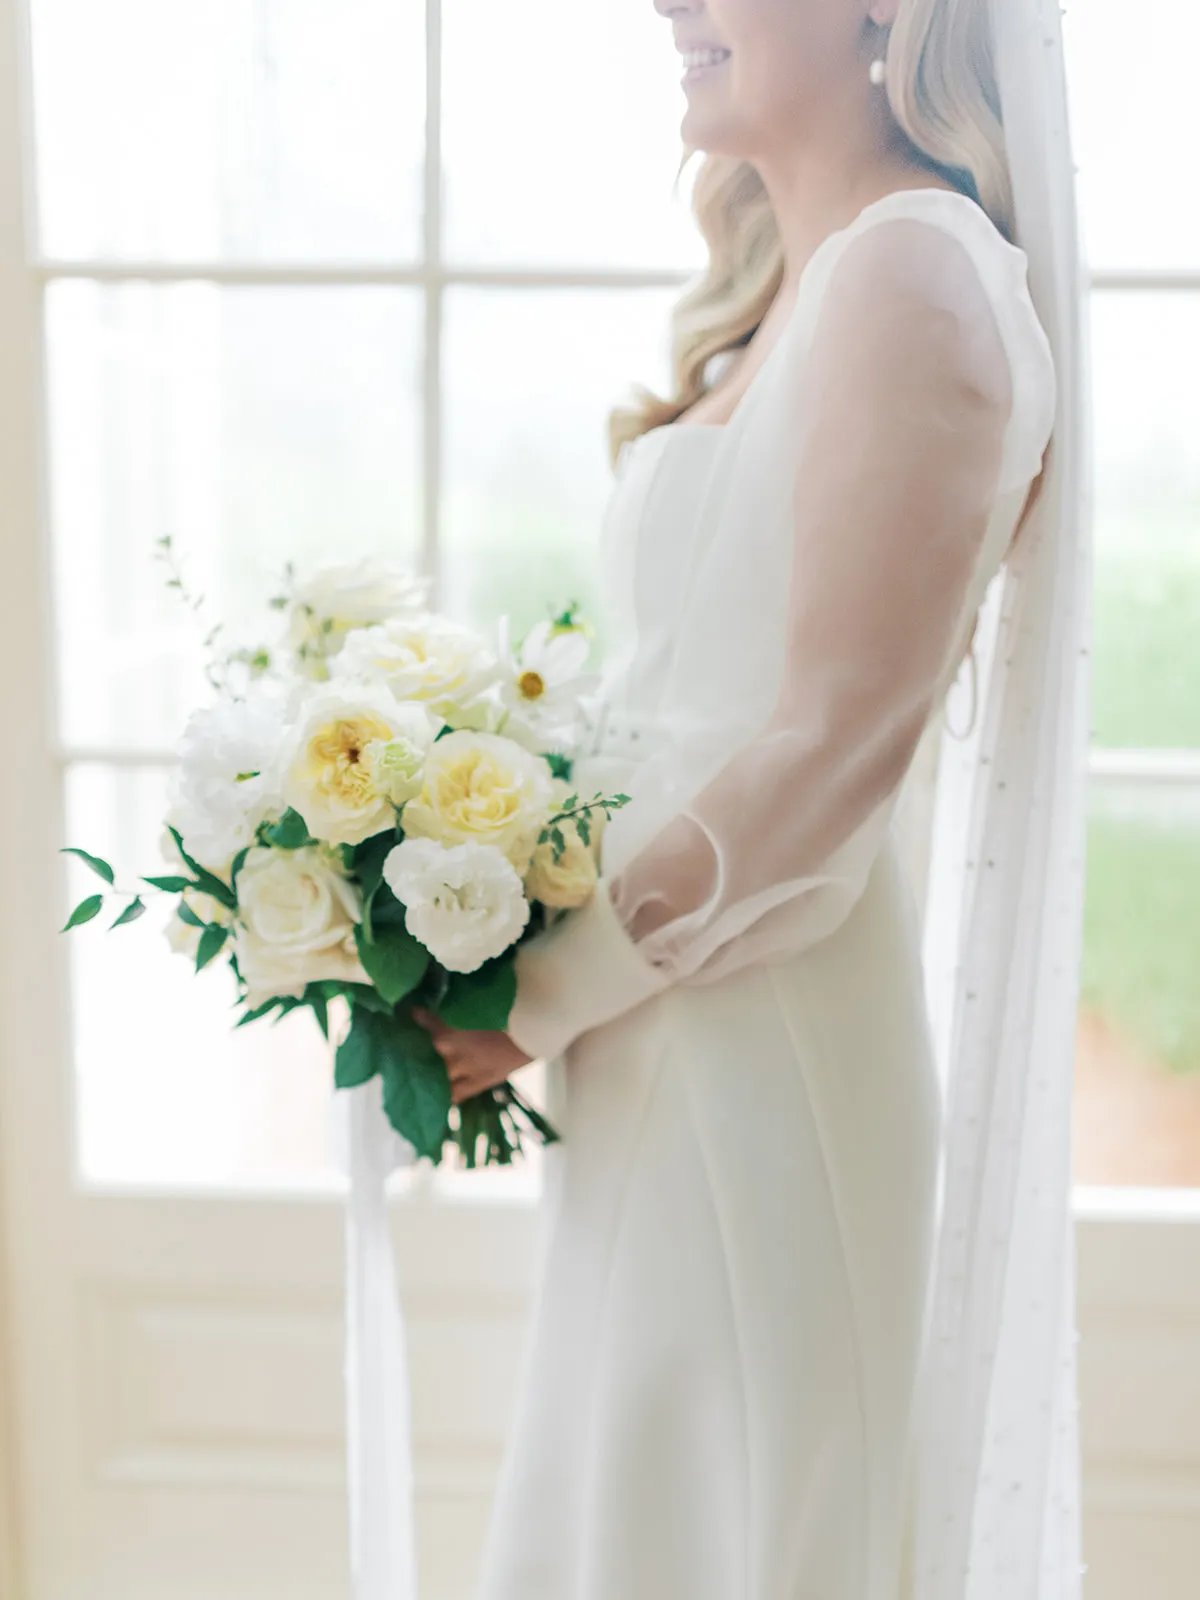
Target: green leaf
560,765
135,909
320,1009
170,885
359,994
99,867
359,1056
386,911
239,861
394,960
206,880
289,833
482,999
185,914
416,1086
212,942
259,1011
369,858
84,912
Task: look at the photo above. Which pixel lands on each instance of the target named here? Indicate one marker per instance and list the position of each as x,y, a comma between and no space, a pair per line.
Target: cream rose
425,658
482,789
336,600
297,913
356,757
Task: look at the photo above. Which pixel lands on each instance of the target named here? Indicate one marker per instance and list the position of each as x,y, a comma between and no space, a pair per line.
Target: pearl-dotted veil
997,1465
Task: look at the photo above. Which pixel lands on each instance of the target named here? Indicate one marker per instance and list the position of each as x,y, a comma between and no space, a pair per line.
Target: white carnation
227,781
297,912
465,902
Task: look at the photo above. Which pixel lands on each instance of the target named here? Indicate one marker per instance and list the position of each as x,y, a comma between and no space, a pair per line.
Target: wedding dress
719,1385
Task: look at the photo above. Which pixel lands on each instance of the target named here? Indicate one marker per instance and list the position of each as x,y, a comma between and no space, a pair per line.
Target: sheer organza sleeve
900,427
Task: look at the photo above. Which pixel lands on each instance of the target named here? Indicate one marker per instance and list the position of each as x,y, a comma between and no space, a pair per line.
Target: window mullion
431,247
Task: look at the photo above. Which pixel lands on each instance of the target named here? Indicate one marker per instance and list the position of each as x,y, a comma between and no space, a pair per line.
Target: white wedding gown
718,1388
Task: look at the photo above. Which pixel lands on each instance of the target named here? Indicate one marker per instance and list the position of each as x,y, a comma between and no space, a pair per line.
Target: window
1138,1105
327,280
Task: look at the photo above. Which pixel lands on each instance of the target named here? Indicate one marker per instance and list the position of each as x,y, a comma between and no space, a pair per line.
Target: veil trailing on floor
997,1477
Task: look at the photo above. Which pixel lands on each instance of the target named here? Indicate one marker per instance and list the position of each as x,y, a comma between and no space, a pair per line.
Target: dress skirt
717,1394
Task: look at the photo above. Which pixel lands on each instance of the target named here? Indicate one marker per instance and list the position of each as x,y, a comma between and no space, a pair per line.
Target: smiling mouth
698,62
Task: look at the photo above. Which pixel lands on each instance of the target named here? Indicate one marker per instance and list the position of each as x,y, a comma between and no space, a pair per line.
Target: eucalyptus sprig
581,815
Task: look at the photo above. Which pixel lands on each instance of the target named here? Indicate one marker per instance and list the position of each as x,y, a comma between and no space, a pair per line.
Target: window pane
198,129
1138,1106
562,135
256,427
1133,109
167,1092
531,379
1146,353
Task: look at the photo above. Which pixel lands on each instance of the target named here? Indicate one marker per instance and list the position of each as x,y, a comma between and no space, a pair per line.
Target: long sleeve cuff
582,972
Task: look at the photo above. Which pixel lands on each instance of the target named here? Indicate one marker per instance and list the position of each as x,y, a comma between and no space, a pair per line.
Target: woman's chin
712,131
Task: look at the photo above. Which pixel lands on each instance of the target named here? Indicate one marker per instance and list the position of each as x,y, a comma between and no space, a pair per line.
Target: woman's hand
477,1060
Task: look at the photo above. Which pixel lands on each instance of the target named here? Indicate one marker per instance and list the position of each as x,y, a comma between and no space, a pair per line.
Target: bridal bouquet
372,814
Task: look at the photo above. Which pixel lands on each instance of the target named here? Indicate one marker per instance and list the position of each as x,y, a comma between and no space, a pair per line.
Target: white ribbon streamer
383,1546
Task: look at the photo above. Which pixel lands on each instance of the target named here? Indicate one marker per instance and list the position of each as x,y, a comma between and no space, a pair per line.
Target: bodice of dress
788,598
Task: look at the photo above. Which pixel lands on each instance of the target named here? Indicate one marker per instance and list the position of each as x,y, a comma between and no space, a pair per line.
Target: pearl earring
878,72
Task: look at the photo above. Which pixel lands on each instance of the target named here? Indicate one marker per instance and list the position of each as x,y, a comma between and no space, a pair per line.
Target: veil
996,1469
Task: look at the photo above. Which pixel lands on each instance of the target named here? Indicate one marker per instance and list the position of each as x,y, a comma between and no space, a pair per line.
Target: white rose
482,789
227,781
464,902
356,756
335,600
425,658
297,913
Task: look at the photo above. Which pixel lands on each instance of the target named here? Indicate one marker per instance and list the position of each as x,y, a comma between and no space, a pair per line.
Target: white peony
355,756
336,600
542,684
464,902
297,912
482,789
427,658
227,781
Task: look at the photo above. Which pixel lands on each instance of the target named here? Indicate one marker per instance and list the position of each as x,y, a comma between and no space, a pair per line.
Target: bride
804,1325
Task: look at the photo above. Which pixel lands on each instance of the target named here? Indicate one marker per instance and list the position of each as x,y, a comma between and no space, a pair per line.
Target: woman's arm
902,410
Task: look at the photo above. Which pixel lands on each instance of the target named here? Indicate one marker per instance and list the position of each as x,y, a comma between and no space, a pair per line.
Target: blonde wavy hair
942,88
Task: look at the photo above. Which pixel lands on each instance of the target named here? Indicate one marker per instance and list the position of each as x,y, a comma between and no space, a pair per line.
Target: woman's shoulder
938,250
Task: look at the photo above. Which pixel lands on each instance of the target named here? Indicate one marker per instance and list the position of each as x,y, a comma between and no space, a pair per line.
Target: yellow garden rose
357,756
570,881
483,789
